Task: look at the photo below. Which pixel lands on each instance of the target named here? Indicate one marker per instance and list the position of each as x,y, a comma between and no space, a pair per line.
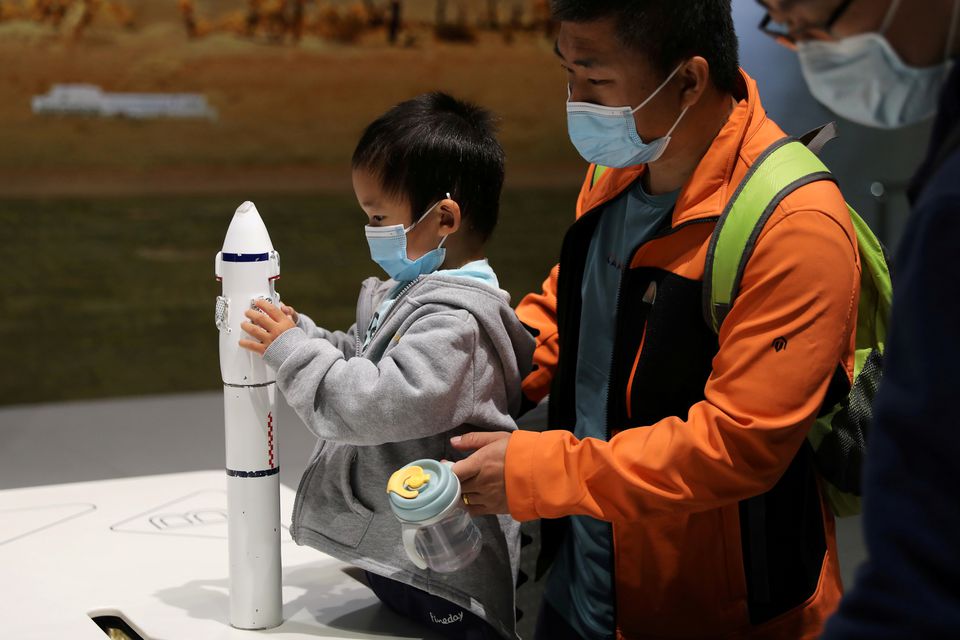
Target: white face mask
863,79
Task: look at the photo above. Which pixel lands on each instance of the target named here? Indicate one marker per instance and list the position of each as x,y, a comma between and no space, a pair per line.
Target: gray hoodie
448,358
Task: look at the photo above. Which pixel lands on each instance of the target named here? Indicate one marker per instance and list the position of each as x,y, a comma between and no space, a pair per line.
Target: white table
153,551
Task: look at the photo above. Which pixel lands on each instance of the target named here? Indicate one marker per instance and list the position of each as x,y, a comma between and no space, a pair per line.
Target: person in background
889,64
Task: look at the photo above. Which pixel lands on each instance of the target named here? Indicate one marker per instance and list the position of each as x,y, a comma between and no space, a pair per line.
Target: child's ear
450,217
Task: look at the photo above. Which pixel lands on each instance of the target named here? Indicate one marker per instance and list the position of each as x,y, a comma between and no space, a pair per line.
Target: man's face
600,70
810,19
917,33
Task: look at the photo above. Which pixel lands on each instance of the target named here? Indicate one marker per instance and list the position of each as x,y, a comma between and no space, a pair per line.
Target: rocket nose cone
247,234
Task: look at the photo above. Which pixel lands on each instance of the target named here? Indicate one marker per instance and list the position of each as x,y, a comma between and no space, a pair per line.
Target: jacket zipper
606,408
383,320
649,299
633,253
361,310
668,232
616,322
613,542
579,311
633,372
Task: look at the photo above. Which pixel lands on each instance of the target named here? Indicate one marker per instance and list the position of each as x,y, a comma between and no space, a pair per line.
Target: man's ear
450,217
694,80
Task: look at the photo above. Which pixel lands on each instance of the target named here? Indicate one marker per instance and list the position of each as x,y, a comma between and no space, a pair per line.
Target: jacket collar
706,192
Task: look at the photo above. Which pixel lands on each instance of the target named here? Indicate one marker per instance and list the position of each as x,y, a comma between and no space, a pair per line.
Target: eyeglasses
783,35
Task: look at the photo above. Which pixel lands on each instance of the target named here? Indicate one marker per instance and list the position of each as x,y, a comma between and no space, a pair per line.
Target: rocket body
248,266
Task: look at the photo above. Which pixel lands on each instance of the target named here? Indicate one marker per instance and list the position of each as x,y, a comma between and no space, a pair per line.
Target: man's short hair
668,31
424,148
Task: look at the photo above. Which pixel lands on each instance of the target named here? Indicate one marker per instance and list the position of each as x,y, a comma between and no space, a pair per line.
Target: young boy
436,351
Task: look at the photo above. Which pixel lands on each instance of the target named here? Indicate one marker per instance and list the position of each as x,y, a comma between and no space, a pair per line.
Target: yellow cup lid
407,482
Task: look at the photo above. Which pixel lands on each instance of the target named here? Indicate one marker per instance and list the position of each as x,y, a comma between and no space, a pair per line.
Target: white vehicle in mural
91,100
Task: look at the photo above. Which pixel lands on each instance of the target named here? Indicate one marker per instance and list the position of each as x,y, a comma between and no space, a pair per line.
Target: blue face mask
608,136
388,248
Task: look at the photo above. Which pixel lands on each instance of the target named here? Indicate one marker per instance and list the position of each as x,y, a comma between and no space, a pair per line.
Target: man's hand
265,326
482,474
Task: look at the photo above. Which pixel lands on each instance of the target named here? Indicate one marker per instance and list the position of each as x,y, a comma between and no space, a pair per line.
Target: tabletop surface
153,551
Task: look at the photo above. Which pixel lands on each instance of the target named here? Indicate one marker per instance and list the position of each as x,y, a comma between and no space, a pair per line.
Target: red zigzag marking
270,438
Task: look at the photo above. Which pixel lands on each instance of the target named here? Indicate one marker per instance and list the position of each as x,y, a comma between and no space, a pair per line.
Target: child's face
384,210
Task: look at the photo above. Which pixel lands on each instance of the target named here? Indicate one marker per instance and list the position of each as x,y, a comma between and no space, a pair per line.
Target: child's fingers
257,332
270,309
256,347
259,319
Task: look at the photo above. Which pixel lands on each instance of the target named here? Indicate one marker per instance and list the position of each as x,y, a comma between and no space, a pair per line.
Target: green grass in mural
114,297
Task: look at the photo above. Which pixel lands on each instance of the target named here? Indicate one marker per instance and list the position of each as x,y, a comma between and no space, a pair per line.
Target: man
889,64
678,455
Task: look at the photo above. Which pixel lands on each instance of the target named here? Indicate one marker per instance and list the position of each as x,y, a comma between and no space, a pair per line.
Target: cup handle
409,545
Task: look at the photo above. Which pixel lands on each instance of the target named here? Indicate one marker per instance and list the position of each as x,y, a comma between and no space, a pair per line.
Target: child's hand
265,325
291,313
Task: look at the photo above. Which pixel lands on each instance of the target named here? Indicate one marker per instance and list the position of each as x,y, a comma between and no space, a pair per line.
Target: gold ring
466,500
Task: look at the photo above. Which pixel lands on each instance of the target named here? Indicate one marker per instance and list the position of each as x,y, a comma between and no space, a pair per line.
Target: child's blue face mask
388,248
608,136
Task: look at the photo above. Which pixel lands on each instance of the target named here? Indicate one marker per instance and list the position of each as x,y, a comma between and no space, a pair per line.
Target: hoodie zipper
383,320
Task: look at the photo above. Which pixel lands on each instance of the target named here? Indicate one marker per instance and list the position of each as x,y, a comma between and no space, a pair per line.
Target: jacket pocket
326,500
302,487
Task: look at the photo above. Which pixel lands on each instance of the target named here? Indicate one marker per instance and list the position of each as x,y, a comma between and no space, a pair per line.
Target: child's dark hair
424,148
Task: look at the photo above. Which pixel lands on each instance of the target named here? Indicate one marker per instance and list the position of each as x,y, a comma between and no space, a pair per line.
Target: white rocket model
248,267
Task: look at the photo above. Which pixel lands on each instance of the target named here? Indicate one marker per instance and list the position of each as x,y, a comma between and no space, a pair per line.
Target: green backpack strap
839,434
598,172
782,169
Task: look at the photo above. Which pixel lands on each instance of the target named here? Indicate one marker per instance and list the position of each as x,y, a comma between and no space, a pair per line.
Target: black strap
817,139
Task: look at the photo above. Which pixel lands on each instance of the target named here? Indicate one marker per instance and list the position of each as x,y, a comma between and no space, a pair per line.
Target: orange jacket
718,529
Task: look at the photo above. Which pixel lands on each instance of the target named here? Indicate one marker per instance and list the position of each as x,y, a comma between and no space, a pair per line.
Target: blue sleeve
910,587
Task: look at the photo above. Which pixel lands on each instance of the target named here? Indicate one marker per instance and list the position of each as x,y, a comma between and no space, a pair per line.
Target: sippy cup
438,533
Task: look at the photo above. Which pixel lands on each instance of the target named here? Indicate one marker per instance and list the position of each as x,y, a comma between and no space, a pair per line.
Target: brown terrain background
113,223
289,114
